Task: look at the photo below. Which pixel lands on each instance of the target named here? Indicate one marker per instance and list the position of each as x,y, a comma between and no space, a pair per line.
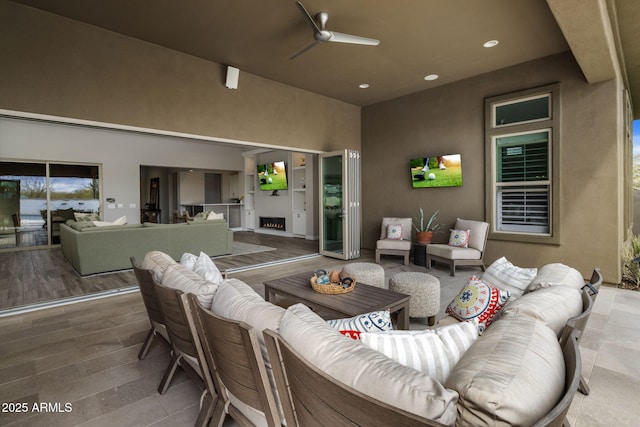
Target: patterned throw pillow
432,351
479,301
394,231
459,238
368,322
86,217
509,277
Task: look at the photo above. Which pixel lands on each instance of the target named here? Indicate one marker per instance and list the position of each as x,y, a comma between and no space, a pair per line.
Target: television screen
272,176
436,171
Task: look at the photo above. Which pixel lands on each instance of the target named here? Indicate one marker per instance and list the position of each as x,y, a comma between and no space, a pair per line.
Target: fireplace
272,222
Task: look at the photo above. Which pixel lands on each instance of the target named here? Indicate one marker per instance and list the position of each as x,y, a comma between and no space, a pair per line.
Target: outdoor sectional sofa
93,250
513,374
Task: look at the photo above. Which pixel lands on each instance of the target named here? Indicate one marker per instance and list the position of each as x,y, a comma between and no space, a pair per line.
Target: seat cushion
364,369
399,245
513,375
452,252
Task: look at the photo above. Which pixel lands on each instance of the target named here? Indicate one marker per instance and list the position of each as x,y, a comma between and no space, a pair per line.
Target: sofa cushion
513,375
364,369
432,351
478,301
79,225
556,274
188,260
508,277
157,262
374,321
553,306
179,277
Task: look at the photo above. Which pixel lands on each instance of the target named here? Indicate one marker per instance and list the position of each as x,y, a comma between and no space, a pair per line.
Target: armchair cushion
404,222
401,245
453,252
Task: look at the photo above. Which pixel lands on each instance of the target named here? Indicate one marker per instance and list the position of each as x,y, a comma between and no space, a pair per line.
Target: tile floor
85,355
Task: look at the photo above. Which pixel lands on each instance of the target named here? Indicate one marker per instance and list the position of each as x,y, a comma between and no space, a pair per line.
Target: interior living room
155,107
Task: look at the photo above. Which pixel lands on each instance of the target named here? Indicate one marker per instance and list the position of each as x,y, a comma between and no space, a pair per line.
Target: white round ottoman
424,290
367,273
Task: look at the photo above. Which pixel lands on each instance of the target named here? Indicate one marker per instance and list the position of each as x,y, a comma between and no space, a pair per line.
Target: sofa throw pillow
459,238
508,277
367,322
478,300
213,215
120,221
206,268
432,351
86,217
188,260
394,231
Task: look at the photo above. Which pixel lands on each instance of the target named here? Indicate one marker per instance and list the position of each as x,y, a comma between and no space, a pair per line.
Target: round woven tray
331,288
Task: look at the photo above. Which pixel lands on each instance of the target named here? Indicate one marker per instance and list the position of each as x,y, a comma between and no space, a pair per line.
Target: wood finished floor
43,275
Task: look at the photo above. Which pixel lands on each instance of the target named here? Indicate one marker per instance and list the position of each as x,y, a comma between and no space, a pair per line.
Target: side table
420,254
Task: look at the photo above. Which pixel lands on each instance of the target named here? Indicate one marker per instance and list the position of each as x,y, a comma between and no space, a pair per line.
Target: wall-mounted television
272,176
436,171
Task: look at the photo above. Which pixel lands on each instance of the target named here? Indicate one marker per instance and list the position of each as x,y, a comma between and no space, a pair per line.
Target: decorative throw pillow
354,335
86,217
367,322
479,301
459,238
188,260
120,221
213,215
432,351
508,277
205,268
394,231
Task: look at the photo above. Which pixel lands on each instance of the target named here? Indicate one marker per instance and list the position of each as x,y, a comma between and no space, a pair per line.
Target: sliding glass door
35,198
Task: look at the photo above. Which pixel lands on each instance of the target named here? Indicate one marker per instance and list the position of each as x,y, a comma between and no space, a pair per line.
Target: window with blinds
522,182
520,134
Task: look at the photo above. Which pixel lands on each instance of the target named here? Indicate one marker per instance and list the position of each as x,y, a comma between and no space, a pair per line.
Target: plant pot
424,237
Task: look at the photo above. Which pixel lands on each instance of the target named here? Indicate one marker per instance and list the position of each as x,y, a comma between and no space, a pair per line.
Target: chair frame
232,355
186,348
312,398
147,290
453,263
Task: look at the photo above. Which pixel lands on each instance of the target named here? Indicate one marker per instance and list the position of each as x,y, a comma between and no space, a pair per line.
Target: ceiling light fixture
431,77
491,43
363,85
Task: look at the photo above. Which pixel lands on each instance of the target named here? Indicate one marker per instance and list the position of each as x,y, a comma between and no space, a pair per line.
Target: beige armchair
401,247
453,255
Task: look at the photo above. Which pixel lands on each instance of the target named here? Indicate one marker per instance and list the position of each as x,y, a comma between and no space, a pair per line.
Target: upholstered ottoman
424,290
367,273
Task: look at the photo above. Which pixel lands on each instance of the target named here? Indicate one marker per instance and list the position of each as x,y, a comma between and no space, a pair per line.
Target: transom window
521,141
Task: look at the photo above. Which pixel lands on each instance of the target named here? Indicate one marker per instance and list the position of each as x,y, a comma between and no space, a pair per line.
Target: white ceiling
417,37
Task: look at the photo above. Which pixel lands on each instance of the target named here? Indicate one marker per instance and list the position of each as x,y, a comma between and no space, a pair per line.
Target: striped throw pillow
508,277
432,351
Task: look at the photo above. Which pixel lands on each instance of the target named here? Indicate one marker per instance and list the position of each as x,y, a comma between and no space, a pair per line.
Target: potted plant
424,231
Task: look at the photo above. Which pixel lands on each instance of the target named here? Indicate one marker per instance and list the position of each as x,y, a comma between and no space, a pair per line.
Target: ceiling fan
321,35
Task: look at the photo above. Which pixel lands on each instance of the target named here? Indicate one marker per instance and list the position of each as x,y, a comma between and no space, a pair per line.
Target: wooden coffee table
362,299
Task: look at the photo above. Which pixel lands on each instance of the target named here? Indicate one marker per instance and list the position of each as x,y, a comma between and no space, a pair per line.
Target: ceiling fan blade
308,17
348,38
304,50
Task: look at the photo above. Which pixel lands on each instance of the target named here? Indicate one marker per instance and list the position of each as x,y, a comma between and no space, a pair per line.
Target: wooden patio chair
186,349
557,417
312,398
233,356
148,292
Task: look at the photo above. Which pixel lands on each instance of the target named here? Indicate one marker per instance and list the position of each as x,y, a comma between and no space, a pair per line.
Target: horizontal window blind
524,208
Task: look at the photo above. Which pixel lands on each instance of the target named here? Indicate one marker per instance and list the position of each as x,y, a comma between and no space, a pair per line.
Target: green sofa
93,250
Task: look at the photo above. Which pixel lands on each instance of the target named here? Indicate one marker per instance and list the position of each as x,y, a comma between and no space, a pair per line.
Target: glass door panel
332,215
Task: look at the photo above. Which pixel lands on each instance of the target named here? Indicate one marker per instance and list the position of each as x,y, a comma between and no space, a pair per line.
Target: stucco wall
450,119
57,66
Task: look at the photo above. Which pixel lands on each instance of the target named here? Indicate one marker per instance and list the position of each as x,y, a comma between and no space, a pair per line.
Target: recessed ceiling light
491,43
363,85
431,77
